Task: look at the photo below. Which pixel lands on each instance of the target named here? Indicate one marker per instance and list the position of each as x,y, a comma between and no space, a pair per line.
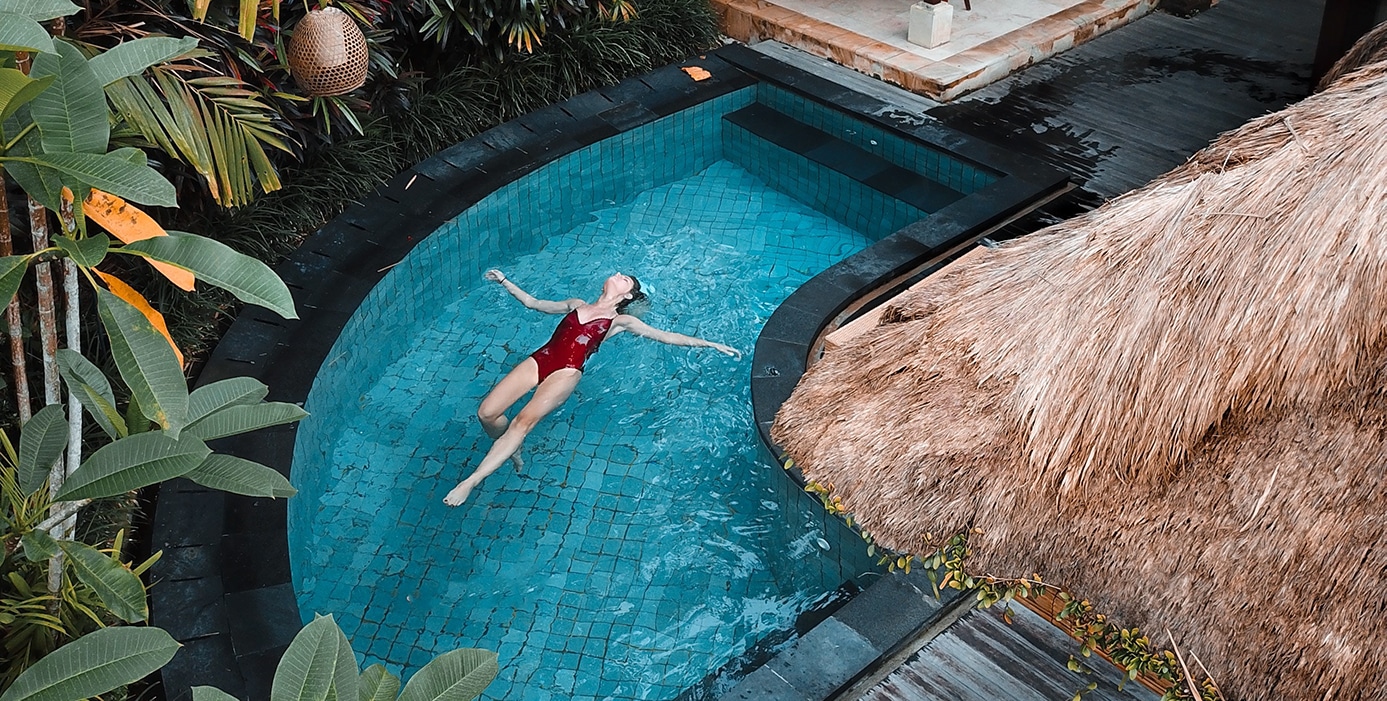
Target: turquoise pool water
647,542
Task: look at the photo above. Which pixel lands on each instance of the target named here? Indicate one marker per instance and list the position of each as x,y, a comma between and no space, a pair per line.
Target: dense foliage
424,116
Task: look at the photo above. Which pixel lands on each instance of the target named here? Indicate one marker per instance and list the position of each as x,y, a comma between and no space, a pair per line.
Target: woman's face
619,285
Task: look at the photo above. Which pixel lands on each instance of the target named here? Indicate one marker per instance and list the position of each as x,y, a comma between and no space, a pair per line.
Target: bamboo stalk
13,325
72,301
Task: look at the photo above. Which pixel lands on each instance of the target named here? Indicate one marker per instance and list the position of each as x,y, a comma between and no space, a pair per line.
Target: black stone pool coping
223,587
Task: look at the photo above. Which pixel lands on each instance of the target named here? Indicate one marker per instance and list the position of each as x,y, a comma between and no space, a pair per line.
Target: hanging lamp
327,53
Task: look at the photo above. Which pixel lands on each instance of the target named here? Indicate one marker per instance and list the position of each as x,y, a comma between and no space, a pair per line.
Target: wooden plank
869,319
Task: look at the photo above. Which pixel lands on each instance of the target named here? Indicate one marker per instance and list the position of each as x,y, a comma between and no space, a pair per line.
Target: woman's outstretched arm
529,300
640,328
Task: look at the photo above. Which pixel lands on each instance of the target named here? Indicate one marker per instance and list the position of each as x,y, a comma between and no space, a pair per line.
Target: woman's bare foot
515,460
459,494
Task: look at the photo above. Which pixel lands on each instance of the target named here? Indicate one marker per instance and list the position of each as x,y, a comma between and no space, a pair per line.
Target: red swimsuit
571,345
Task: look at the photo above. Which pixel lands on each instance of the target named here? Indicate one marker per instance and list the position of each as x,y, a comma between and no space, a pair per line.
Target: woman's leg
548,396
492,412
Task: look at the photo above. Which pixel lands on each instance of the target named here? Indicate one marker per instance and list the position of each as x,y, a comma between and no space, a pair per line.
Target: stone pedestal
930,25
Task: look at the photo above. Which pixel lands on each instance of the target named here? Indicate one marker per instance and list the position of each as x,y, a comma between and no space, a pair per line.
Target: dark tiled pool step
843,649
835,154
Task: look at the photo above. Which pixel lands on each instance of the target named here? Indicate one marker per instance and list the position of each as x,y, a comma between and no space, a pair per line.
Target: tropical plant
317,666
55,143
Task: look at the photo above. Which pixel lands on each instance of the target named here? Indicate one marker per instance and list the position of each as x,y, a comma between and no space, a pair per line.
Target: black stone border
223,586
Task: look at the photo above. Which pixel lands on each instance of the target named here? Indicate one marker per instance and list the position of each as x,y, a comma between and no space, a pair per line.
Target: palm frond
213,123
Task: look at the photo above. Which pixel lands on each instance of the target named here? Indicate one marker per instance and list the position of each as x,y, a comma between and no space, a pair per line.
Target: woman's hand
725,350
494,275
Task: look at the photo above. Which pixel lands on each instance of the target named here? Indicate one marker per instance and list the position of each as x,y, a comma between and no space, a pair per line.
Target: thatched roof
1173,405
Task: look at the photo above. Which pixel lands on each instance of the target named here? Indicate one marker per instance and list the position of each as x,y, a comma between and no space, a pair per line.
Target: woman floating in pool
553,371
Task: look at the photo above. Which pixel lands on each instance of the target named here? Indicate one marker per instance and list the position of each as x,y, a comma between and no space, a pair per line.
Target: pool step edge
890,620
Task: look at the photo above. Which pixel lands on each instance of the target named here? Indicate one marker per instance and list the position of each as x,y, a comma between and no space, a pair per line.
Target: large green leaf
130,463
460,675
312,667
41,444
88,253
118,588
94,664
378,684
92,389
42,184
245,418
130,58
17,89
71,114
12,269
218,395
19,33
40,10
38,545
146,362
114,174
238,476
211,693
250,280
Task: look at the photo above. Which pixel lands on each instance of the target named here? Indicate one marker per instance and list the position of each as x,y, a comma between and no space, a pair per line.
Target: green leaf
17,89
135,156
377,684
92,389
41,444
118,588
130,463
12,269
238,476
218,395
460,675
114,174
94,664
40,10
132,57
88,253
250,280
146,362
245,418
38,545
310,669
211,693
42,184
19,33
71,114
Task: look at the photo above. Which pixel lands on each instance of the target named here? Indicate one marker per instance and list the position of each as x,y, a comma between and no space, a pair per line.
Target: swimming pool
646,543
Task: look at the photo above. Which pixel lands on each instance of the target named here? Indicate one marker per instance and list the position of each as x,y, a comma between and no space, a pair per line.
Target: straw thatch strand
1171,405
1371,48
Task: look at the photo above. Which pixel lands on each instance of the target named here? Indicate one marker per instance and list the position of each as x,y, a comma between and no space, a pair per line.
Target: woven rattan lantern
327,53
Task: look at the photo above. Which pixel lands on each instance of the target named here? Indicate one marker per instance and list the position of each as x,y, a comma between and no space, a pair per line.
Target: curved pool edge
223,587
787,341
844,648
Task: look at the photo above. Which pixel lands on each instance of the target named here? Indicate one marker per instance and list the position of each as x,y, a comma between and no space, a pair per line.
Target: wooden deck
1134,103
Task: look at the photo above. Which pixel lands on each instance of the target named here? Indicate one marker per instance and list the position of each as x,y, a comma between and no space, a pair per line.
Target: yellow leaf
127,223
128,293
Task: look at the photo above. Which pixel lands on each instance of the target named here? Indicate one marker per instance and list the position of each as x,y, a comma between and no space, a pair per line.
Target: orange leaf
696,73
128,293
127,223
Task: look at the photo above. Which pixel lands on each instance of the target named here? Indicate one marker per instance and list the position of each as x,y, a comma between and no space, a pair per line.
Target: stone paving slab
993,40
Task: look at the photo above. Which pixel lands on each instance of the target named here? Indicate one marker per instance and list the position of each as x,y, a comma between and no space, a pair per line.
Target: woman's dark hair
636,296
